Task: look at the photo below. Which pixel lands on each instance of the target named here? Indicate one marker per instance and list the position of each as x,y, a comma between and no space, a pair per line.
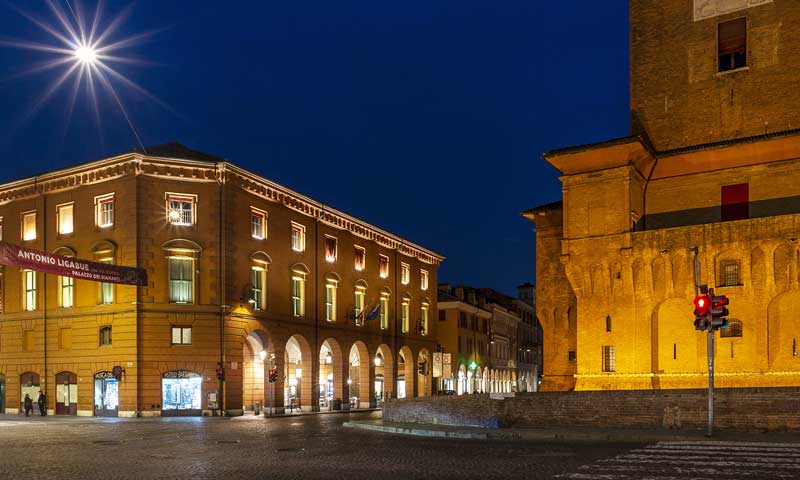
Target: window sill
730,72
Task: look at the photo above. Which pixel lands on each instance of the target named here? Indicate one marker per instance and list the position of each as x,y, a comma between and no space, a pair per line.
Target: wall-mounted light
377,361
349,381
263,355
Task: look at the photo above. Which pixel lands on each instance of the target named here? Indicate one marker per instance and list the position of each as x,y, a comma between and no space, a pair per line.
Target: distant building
713,164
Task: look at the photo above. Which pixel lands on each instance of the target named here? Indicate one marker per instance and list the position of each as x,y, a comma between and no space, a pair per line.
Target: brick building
712,163
244,274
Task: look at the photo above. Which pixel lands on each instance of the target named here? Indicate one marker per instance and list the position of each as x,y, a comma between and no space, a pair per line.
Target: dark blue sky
427,118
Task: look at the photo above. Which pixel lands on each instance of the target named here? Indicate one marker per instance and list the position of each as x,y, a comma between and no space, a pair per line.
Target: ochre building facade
713,163
244,276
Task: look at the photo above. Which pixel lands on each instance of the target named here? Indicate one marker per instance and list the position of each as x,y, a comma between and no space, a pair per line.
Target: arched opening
254,357
784,331
106,394
676,347
359,379
330,375
28,386
297,389
405,373
424,373
384,369
461,389
66,393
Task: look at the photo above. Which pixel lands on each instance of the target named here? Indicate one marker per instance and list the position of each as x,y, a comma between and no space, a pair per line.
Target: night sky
426,118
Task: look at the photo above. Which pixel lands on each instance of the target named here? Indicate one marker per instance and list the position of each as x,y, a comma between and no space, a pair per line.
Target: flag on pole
376,310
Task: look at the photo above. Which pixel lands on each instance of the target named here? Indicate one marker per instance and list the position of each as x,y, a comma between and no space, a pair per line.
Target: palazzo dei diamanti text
713,162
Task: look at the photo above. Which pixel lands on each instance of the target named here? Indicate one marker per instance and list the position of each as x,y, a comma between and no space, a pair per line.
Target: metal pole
710,431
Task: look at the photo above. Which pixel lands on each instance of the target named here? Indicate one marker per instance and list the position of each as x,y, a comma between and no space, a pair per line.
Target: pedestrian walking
28,404
42,401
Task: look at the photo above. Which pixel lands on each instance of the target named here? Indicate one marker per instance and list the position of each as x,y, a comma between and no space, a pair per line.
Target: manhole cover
227,441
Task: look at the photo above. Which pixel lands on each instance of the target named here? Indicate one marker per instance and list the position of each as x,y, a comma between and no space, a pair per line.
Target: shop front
182,393
28,385
66,393
379,389
106,394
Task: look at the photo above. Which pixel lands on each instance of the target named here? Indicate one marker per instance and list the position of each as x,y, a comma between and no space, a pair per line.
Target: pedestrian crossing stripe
699,460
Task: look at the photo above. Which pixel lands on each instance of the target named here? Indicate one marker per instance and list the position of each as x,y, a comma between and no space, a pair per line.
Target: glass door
106,396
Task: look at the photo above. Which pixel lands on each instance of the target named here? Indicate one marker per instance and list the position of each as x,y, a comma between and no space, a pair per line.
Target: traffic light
273,376
719,312
221,374
423,368
702,307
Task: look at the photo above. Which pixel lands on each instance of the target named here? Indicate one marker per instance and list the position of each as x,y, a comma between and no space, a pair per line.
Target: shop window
298,237
259,280
384,314
181,209
181,335
330,249
360,255
298,296
405,273
383,266
732,44
423,279
734,329
64,218
105,336
359,313
735,202
67,291
729,271
608,359
104,210
181,279
258,223
29,226
330,301
29,284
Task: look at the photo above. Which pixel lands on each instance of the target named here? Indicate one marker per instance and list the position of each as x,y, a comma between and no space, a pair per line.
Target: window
181,335
29,226
64,218
330,301
330,249
384,315
258,223
572,356
423,279
105,336
608,359
442,315
360,258
298,296
259,276
67,291
298,237
106,289
734,329
423,319
383,266
180,209
405,273
1,229
104,210
462,320
608,323
181,279
359,313
404,316
732,44
29,280
729,272
734,202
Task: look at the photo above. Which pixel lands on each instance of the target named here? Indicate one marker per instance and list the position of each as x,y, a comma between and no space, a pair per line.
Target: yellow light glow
86,54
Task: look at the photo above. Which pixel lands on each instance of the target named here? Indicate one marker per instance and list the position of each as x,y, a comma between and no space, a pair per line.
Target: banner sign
447,368
437,364
22,257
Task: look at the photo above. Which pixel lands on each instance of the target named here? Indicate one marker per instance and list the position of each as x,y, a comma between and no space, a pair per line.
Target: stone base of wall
742,409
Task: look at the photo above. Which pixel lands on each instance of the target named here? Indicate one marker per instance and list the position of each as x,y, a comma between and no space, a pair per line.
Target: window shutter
735,202
733,36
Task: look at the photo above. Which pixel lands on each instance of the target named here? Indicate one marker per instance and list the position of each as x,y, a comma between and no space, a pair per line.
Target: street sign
437,364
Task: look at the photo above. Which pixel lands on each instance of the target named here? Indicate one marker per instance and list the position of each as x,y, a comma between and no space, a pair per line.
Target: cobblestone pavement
311,446
698,460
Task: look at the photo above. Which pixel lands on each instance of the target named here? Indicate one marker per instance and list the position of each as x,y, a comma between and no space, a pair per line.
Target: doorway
28,385
106,395
66,393
2,394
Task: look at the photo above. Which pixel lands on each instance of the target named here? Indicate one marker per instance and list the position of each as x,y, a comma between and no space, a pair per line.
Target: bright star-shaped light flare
83,49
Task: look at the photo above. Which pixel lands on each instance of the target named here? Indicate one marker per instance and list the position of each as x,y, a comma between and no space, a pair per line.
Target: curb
419,432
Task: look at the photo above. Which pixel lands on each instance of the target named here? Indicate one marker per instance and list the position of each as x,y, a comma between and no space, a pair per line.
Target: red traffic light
702,305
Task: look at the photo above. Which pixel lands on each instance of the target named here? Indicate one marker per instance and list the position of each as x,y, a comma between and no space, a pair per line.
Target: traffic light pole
710,330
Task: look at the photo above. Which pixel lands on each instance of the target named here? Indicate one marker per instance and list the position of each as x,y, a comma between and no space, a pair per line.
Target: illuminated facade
712,164
244,275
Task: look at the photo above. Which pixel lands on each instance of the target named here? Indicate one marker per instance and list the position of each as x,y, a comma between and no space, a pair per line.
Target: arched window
734,329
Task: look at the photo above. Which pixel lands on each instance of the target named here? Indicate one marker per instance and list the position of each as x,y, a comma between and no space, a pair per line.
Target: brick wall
754,409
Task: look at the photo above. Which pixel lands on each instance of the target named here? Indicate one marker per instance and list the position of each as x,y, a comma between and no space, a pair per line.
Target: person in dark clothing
42,401
28,404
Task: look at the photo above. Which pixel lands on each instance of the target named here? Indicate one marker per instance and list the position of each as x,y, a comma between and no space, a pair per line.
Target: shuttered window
735,202
732,44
